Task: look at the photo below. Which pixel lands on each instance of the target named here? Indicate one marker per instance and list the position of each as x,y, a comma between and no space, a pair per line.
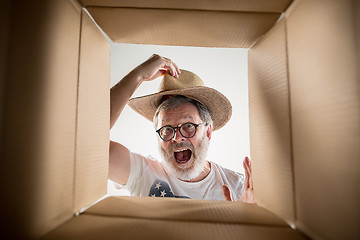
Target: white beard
198,160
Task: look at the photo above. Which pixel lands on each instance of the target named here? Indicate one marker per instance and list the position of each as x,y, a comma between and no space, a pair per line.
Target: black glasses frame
174,130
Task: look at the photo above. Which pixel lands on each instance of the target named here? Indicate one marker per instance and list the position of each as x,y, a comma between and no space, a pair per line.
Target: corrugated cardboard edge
192,210
93,116
39,117
270,123
205,5
171,218
325,100
183,27
88,226
356,16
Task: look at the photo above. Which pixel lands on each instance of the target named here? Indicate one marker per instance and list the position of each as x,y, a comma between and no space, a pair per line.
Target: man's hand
247,195
152,68
156,66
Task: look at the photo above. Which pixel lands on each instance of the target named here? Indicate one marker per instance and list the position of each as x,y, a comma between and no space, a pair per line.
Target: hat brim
218,105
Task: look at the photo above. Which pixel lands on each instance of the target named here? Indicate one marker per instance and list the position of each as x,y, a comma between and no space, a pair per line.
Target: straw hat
189,85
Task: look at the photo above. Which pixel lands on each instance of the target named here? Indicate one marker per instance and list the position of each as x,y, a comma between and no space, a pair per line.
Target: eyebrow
188,116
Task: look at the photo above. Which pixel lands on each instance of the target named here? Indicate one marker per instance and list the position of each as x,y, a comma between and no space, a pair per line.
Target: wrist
136,76
133,78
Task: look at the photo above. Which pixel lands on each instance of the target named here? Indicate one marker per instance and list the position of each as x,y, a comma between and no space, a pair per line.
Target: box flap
183,27
40,115
275,6
185,210
89,226
93,116
325,109
270,126
167,218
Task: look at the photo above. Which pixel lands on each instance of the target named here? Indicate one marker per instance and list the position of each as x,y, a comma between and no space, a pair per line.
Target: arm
155,66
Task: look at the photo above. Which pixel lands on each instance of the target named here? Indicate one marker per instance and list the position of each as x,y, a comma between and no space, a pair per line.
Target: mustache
181,145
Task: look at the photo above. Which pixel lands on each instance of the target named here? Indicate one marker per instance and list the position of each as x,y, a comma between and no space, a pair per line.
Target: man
184,113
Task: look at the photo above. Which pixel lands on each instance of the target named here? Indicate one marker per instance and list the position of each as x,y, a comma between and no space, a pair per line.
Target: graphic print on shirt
162,189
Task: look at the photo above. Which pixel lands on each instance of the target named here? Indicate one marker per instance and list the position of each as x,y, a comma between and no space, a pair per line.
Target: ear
209,131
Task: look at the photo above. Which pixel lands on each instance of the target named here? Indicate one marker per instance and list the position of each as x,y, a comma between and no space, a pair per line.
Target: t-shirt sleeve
233,179
143,171
239,184
236,181
136,171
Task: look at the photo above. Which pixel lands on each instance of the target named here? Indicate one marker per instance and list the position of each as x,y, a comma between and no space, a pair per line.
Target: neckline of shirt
211,173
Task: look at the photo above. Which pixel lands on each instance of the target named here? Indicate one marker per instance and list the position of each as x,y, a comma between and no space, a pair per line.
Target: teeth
180,150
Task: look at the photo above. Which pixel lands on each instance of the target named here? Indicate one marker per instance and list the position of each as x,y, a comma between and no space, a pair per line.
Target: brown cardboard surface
356,17
224,5
89,226
183,27
270,130
93,116
5,9
37,163
97,226
55,122
149,218
325,109
185,210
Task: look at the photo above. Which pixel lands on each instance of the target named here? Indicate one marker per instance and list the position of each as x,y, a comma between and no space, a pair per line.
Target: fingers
251,183
226,192
172,67
177,69
248,173
247,193
245,167
155,67
249,165
159,73
246,183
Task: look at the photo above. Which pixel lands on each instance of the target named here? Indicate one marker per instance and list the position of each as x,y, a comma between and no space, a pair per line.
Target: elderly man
185,113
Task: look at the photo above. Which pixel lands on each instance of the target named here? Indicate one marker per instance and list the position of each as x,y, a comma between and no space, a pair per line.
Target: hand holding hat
152,68
189,85
155,67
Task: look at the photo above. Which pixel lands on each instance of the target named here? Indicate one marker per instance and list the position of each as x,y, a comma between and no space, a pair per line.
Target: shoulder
228,173
142,171
149,161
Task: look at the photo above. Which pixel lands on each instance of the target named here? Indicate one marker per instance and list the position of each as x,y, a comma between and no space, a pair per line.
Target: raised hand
156,66
247,195
152,68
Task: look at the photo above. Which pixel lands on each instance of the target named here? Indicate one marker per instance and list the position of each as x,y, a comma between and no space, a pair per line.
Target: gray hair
175,101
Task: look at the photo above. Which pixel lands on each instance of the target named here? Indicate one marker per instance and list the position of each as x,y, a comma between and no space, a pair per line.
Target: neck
202,175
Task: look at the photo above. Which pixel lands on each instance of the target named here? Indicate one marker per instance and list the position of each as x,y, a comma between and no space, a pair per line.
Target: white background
224,69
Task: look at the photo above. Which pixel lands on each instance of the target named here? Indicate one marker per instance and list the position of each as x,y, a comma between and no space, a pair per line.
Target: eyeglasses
187,130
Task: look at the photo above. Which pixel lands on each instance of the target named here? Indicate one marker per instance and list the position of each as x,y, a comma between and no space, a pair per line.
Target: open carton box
304,118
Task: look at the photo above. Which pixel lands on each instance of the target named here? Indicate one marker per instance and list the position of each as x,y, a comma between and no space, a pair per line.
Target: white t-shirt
148,177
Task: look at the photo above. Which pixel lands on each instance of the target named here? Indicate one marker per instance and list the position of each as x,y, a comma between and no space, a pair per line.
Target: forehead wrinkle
180,114
184,117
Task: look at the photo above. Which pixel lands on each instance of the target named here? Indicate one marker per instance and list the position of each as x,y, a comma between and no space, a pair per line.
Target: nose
177,136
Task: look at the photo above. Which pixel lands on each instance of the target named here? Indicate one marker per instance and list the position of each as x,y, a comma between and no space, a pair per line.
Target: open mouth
182,155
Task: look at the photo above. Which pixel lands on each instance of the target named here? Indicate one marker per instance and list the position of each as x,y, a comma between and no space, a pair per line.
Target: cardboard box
304,118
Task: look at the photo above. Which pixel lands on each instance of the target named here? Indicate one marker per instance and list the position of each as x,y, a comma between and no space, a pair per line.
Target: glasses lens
188,130
166,133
